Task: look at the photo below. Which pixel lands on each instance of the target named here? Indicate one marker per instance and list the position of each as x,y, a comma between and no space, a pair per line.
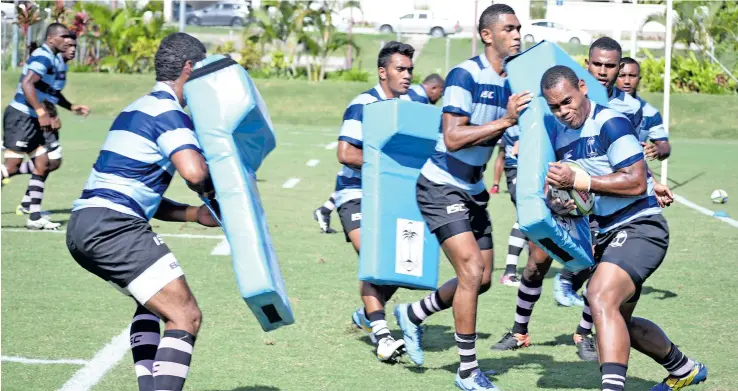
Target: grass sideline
52,308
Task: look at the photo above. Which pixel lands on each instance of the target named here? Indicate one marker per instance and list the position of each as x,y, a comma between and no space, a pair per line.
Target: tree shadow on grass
553,374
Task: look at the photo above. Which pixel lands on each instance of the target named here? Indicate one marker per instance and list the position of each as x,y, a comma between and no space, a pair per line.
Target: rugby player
395,72
52,146
652,126
477,109
633,235
109,232
26,119
427,92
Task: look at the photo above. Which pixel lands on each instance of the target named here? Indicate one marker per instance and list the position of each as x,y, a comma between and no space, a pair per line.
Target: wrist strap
582,181
41,112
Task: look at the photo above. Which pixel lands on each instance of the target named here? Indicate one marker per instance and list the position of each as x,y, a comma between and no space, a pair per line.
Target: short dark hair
631,60
555,74
55,29
174,52
391,48
491,14
607,44
433,78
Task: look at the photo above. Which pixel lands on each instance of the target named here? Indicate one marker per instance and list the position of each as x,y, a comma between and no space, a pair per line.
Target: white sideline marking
104,360
332,145
290,183
185,236
312,162
24,360
703,210
223,248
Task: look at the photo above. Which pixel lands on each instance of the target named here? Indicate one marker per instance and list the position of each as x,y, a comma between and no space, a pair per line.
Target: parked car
175,10
421,22
7,10
540,29
220,14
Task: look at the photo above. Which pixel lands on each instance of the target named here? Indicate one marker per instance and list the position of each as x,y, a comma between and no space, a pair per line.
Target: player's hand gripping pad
234,129
396,246
566,239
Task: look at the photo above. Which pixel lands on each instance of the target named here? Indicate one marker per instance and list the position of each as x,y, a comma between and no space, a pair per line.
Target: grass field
53,309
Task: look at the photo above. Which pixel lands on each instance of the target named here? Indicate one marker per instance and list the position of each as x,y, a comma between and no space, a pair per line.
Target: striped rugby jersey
417,94
61,79
652,126
134,169
474,90
44,63
348,181
627,105
605,143
509,138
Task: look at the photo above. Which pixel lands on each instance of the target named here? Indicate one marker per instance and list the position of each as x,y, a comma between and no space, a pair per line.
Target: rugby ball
583,200
719,196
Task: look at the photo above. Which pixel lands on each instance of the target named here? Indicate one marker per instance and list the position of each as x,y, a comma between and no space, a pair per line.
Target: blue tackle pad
566,239
236,134
396,246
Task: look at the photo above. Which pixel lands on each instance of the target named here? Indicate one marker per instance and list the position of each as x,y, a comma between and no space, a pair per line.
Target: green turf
52,308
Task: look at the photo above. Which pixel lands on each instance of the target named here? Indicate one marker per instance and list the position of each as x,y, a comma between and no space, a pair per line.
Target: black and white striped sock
329,205
677,363
379,324
36,192
172,361
145,338
426,307
515,244
613,376
528,294
585,324
467,353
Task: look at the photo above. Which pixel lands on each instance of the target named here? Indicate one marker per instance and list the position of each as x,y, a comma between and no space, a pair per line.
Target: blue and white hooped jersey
509,138
652,126
348,181
627,105
61,79
474,90
417,94
605,143
44,63
134,168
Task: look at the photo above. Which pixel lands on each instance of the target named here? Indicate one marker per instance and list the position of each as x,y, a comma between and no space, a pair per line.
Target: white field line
105,359
312,162
223,248
290,183
332,145
24,360
703,210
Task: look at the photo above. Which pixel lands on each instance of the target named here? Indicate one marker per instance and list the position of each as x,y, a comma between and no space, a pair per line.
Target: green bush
353,74
688,74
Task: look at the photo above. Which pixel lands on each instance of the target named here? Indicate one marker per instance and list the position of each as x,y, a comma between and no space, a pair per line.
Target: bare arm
28,85
627,181
350,155
174,211
458,134
192,167
657,149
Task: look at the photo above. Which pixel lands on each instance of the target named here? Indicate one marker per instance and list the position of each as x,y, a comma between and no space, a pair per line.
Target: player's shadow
253,388
561,340
553,374
673,183
664,294
436,338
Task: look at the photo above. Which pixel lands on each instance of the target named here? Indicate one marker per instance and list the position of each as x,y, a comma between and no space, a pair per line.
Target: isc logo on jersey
487,94
455,208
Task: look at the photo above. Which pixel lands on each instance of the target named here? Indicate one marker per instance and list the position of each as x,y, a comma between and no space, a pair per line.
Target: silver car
221,14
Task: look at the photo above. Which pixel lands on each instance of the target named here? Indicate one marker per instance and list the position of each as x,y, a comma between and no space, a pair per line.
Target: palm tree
692,23
325,40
